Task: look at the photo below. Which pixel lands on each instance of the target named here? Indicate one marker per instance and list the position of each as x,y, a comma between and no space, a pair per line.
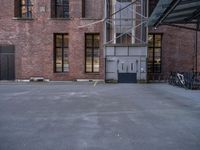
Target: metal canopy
176,13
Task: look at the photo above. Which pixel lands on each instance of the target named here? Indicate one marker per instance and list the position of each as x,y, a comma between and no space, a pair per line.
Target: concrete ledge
37,79
89,80
33,79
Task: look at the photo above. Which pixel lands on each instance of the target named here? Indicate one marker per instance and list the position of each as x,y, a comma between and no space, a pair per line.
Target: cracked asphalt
81,116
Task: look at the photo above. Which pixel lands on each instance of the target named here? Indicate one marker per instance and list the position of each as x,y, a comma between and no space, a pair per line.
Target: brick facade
33,40
178,49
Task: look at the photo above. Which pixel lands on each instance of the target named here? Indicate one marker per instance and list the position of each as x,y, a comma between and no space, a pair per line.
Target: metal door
127,72
7,62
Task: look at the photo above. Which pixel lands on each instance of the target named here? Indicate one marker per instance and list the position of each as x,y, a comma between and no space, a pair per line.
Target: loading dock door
127,72
7,62
127,77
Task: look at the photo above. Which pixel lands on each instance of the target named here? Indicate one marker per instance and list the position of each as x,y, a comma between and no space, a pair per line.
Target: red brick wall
178,46
33,40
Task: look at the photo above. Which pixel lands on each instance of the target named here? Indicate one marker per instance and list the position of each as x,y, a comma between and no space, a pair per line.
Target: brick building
171,49
45,38
89,39
53,39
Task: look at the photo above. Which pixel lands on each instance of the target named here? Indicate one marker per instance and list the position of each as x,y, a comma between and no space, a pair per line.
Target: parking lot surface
87,116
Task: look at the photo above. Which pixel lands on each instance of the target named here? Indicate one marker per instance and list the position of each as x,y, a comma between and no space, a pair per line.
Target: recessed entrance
7,62
127,78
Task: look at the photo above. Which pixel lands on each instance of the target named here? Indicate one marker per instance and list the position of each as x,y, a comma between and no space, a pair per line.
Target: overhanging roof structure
176,13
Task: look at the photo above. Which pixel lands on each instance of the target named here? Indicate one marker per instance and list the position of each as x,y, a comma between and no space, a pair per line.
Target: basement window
24,9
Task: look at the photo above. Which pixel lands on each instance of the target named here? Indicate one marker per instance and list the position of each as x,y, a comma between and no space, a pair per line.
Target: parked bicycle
189,80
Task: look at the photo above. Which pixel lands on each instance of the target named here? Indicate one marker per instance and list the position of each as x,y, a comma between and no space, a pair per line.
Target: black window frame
29,11
151,69
92,47
63,54
64,4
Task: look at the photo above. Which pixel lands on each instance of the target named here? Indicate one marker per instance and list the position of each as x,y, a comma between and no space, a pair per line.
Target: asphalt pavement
88,116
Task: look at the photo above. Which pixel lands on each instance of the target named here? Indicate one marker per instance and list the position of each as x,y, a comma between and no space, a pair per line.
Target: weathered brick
178,49
33,40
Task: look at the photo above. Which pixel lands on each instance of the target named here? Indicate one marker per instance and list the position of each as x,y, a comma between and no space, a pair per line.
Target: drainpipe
104,37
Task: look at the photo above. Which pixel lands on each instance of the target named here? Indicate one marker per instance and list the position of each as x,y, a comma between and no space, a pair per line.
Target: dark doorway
127,77
7,62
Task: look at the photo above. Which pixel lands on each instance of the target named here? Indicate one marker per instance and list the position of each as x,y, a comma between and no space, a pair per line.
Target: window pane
59,2
157,68
150,54
96,60
157,40
150,40
96,52
66,65
59,60
62,8
66,62
96,64
150,67
89,64
88,40
157,55
58,52
157,50
89,52
29,13
59,12
66,11
150,57
24,11
29,2
58,40
65,52
96,41
89,37
23,2
89,43
157,60
66,41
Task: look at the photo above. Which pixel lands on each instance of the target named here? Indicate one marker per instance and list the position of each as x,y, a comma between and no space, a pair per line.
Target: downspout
104,37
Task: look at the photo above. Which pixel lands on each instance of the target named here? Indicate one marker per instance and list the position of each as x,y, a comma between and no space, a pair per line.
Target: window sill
126,45
85,18
61,73
24,19
92,73
64,19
